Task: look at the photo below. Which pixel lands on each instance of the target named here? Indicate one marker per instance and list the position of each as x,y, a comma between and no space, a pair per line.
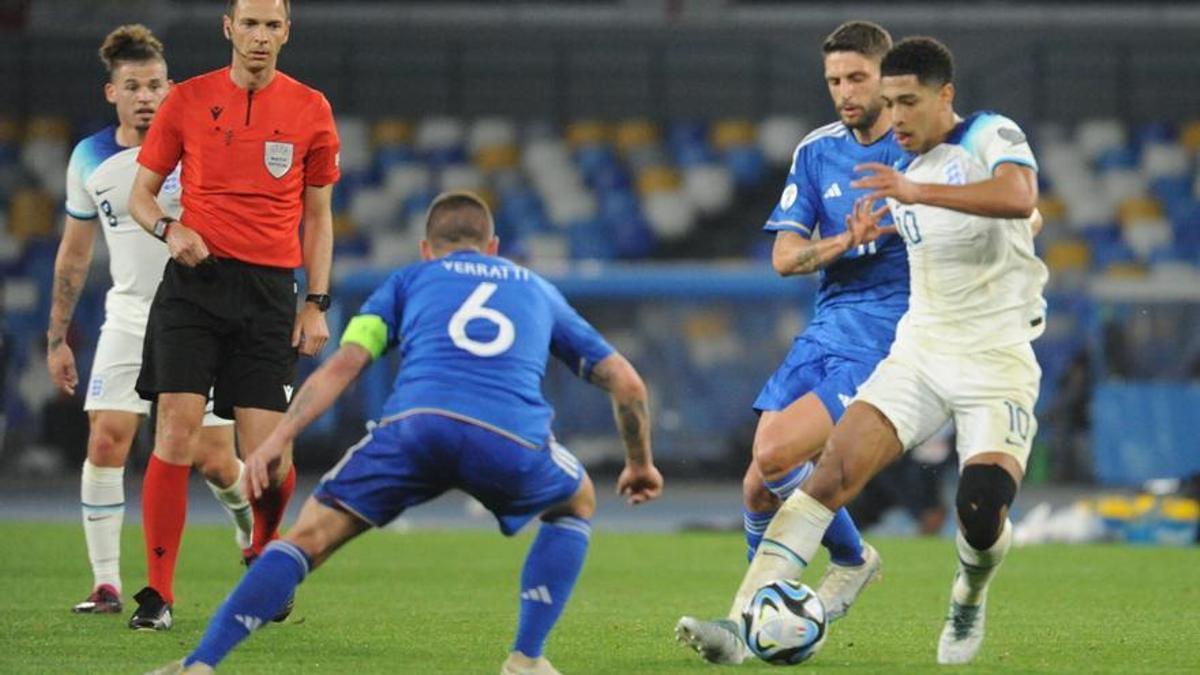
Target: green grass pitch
445,602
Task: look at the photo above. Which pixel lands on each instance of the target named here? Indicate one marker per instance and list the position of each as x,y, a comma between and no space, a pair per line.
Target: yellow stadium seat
587,132
1139,208
496,157
1053,209
31,214
1190,138
1064,256
10,130
733,133
657,179
343,225
391,132
48,128
1125,270
636,133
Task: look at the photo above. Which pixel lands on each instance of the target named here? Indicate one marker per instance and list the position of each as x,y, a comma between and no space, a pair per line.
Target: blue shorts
413,459
813,366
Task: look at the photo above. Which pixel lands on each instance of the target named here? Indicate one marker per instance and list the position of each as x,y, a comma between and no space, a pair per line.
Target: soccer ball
784,623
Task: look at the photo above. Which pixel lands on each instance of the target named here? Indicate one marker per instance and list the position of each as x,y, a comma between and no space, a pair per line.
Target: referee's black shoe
152,613
248,558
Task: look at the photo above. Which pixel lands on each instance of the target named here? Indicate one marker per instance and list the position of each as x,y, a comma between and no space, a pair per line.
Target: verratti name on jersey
486,270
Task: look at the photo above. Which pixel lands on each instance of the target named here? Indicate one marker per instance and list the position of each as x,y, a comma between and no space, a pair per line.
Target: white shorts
989,395
115,372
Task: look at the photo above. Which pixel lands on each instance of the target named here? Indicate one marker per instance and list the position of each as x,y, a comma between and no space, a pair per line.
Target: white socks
237,506
976,568
790,542
102,494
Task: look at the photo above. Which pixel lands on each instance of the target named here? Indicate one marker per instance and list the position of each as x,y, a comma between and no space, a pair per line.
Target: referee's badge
277,157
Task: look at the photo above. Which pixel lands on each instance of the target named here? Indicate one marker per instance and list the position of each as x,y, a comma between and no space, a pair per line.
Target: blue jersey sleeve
573,340
798,205
384,306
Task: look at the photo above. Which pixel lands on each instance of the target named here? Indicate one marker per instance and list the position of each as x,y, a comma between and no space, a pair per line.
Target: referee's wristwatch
321,300
161,225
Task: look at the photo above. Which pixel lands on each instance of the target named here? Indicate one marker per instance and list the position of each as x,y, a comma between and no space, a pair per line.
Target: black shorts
227,326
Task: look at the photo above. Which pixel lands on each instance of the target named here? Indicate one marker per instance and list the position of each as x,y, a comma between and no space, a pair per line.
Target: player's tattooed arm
631,411
795,254
640,481
70,273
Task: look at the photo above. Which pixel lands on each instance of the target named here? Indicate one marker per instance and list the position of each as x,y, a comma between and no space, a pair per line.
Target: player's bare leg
561,544
102,495
164,503
862,443
986,489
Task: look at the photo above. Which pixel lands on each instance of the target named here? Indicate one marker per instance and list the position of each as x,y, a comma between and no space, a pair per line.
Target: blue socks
551,569
755,524
842,538
264,590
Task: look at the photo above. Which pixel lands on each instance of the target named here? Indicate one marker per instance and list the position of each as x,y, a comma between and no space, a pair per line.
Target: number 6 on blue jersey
473,308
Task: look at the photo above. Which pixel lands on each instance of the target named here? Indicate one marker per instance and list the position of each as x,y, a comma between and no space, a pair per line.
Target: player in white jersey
99,178
964,201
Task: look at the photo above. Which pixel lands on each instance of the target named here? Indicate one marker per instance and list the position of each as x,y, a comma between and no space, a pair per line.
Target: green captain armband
369,332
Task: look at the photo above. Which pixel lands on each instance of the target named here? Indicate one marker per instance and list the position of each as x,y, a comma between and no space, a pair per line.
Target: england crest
277,157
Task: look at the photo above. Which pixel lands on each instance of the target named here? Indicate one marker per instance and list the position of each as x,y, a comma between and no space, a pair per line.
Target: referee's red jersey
247,157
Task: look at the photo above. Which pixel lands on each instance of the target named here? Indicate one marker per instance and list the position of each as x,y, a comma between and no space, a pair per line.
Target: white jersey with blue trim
99,179
976,283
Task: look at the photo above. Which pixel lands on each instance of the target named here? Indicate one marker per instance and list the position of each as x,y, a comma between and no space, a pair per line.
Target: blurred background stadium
632,150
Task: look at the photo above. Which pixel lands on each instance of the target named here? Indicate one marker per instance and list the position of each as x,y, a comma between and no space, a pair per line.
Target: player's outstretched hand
61,362
639,483
862,225
886,182
186,245
260,464
310,332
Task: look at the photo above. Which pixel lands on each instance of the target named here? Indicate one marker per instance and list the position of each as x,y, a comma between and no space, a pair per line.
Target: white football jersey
99,178
976,283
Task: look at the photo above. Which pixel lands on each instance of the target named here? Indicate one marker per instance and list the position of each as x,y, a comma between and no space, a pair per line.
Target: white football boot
962,636
841,585
718,641
519,664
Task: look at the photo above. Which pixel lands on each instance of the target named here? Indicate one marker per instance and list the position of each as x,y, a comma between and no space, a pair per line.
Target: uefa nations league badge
277,157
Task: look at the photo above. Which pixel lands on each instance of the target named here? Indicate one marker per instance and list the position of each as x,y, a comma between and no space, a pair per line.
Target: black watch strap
160,227
321,300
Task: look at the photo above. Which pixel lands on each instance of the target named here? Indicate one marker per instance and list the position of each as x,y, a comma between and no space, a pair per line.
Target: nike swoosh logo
92,519
100,192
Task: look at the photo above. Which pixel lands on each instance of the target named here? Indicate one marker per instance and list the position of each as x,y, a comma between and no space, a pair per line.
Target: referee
259,156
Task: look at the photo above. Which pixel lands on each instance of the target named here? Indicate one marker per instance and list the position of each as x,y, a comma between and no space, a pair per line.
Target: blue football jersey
864,293
474,333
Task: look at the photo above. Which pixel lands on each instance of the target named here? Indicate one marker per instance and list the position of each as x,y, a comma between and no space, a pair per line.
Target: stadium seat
657,179
355,136
778,136
387,132
633,134
1095,136
1066,256
1146,235
491,132
670,214
588,132
1164,159
461,177
31,214
439,133
1137,209
728,134
709,187
1189,137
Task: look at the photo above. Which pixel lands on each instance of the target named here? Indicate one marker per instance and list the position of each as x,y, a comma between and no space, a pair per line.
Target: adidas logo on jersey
833,191
539,594
252,623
